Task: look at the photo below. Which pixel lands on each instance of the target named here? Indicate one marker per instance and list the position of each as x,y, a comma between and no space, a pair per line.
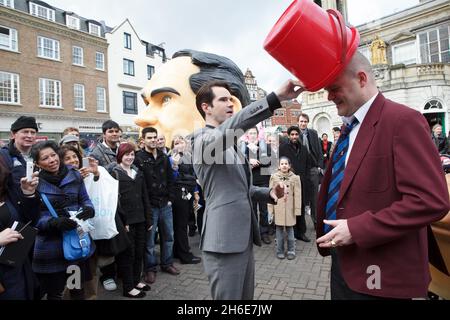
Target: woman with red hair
135,213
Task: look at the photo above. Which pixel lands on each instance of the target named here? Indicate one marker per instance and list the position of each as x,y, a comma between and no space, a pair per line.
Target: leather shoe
171,270
265,238
193,260
150,277
144,288
303,237
140,295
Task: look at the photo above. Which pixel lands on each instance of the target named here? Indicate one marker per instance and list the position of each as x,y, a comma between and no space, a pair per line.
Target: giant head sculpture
170,94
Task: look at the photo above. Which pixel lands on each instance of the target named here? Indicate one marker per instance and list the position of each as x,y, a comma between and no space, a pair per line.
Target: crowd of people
157,198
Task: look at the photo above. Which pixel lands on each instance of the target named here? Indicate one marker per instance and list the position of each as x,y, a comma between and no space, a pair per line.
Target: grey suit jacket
229,221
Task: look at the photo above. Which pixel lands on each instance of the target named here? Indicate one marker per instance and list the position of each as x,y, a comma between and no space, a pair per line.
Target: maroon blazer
394,186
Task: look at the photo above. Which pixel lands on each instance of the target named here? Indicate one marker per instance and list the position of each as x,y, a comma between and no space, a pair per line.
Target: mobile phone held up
85,163
30,169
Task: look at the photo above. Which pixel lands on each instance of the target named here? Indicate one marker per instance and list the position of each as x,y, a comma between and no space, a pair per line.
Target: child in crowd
287,209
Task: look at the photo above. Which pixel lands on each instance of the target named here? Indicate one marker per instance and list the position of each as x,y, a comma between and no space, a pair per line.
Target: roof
60,15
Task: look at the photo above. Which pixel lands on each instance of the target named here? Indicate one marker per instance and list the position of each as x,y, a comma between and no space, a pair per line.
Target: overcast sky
234,30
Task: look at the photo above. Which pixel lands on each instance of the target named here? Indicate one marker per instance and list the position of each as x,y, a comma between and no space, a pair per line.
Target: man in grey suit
230,226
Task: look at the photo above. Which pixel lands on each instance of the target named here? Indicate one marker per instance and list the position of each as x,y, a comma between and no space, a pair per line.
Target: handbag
75,246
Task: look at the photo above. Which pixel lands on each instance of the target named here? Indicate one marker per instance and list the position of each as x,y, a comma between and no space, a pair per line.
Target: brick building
287,116
53,66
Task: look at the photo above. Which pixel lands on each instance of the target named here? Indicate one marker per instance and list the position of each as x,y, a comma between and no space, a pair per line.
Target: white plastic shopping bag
104,196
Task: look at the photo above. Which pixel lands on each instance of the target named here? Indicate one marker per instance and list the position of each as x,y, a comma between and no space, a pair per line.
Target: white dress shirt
360,115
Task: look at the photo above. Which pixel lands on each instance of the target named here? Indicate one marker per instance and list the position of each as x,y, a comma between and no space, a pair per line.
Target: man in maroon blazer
393,187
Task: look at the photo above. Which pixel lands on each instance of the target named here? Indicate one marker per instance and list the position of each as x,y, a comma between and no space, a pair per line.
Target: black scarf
55,179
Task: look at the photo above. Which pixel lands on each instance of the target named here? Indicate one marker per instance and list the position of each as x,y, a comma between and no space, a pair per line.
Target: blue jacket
17,165
48,250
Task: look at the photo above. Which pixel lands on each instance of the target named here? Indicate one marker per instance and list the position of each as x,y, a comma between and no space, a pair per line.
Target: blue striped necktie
339,156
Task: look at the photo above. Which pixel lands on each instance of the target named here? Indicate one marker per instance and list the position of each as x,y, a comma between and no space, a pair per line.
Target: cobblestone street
305,278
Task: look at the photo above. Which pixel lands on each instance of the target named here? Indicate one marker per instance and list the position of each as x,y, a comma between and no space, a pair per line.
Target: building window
8,39
127,40
150,71
405,53
50,93
7,3
365,51
48,48
9,88
78,95
434,45
73,22
42,12
101,99
77,56
128,67
296,113
433,104
130,103
99,61
94,29
279,113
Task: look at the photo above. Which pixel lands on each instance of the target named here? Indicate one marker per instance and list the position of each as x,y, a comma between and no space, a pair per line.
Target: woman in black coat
183,206
17,283
135,212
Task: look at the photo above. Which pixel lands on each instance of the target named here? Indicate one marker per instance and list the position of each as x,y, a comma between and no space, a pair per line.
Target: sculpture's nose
147,119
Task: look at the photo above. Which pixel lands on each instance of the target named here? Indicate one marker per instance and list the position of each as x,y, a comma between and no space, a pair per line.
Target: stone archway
322,123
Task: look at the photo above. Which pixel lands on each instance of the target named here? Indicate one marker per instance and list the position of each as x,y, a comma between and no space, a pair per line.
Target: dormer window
94,29
73,22
42,12
7,3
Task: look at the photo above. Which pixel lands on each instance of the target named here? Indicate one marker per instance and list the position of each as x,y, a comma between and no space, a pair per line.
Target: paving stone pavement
305,278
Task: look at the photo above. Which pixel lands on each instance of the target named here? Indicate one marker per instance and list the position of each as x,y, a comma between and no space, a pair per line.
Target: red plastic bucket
313,44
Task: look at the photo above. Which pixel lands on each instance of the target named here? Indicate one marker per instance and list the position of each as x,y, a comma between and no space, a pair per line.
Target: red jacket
393,187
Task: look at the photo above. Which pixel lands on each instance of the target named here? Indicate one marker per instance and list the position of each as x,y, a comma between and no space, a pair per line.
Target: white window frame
128,67
72,22
427,32
102,61
55,48
81,56
404,44
126,37
7,3
79,94
101,102
93,28
14,81
13,40
45,85
35,11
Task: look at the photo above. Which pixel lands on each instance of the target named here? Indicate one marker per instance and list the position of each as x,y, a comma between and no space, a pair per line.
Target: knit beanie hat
24,122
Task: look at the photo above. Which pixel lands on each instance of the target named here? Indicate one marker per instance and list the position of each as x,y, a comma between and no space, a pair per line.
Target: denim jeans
280,239
163,219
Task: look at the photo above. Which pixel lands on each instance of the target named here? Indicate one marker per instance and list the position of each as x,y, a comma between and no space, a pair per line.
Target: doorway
434,114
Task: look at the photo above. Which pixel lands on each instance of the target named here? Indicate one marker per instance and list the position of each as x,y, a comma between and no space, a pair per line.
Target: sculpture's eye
166,99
